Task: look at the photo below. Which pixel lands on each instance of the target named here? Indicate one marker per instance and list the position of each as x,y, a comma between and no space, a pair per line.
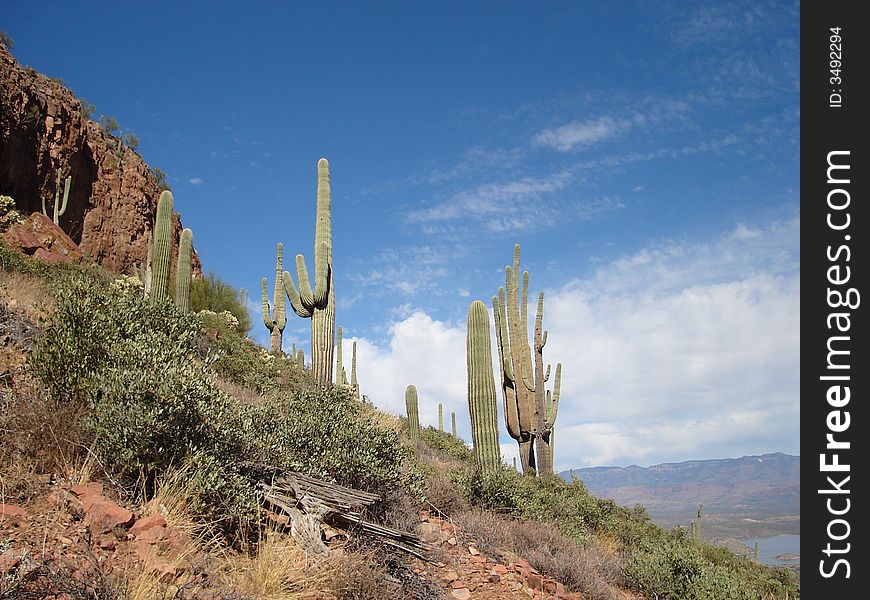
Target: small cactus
697,530
453,419
413,412
481,389
353,382
182,271
339,368
162,249
59,209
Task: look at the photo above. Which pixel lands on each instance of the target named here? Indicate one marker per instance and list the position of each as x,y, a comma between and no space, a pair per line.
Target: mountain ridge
751,496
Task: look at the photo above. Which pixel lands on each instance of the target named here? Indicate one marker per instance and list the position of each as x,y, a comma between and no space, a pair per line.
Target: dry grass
278,570
27,295
383,419
593,569
38,436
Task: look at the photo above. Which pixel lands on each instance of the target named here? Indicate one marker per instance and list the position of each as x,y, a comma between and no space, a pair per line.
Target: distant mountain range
752,496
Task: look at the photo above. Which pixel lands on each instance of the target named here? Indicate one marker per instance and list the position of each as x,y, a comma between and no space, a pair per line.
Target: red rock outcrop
113,197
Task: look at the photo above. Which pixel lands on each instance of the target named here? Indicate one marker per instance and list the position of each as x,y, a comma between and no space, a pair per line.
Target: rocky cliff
113,197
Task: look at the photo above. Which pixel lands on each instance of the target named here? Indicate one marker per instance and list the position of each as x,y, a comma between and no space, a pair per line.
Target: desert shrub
324,433
237,358
159,177
451,446
9,215
131,140
210,293
7,41
109,124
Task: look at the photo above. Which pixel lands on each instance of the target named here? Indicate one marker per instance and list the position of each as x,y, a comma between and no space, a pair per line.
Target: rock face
113,197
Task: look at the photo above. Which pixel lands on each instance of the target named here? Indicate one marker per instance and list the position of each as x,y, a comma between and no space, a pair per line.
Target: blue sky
644,155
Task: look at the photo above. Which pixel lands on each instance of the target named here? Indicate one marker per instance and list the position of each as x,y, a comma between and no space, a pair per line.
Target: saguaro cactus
440,417
453,419
162,248
353,382
546,403
319,304
182,271
59,209
530,410
276,320
697,530
339,369
413,412
481,389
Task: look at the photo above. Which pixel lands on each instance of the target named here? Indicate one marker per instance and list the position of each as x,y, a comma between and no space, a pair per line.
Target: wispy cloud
581,134
196,181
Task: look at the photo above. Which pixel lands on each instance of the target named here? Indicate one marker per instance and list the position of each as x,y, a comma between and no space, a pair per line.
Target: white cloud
580,134
196,181
682,350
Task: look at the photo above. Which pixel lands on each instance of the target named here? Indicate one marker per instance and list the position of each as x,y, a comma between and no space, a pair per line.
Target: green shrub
446,443
210,293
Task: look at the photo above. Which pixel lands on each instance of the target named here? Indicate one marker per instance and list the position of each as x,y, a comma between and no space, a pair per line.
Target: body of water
771,547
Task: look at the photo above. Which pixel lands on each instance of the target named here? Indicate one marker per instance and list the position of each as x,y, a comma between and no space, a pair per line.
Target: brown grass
592,569
277,570
27,295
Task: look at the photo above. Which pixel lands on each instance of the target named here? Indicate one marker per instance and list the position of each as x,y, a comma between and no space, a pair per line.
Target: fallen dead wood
309,501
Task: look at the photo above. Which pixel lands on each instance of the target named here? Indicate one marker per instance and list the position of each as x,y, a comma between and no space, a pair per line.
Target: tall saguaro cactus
530,410
162,248
440,417
481,389
182,271
453,419
59,209
318,304
413,412
275,318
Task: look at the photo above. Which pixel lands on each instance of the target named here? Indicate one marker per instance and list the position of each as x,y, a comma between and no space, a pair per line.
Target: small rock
461,594
500,570
144,524
535,581
450,576
473,551
108,544
10,512
494,578
64,540
456,585
452,541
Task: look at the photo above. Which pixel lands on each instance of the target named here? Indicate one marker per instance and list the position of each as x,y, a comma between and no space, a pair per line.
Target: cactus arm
547,375
306,296
553,400
267,312
59,213
293,296
339,369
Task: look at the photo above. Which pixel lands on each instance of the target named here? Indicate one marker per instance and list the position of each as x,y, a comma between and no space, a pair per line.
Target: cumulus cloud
682,350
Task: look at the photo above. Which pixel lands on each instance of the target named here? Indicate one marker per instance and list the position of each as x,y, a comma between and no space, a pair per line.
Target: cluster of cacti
319,304
182,271
275,318
59,209
413,412
162,253
482,402
530,410
243,297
